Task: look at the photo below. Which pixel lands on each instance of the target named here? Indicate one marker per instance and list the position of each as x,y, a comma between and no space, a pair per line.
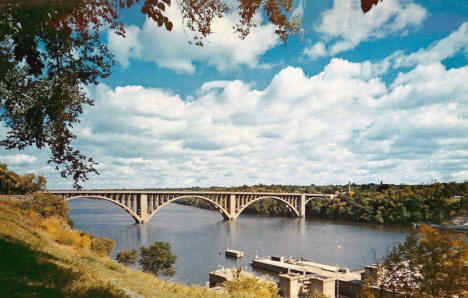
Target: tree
102,246
127,257
313,293
47,54
13,183
46,205
158,259
50,51
429,264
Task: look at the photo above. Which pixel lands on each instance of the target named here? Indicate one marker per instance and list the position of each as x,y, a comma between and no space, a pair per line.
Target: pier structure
298,277
144,204
234,253
292,285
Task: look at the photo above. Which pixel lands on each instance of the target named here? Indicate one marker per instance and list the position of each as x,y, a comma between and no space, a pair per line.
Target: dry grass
44,258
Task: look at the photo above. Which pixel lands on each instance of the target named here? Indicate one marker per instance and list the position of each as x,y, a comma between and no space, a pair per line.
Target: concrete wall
326,287
289,287
350,288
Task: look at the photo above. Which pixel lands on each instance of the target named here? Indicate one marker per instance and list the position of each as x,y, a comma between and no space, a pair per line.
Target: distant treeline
16,184
375,203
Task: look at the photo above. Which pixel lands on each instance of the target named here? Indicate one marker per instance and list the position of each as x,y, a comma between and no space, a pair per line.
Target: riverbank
33,263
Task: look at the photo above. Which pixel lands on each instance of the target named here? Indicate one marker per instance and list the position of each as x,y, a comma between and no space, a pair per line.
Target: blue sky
363,98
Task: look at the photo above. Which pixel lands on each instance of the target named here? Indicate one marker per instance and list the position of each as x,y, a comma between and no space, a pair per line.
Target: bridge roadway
143,204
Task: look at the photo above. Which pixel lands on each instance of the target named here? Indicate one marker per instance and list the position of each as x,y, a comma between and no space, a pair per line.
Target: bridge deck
133,191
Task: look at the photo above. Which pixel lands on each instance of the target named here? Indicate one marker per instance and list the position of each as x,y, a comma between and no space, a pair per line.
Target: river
199,237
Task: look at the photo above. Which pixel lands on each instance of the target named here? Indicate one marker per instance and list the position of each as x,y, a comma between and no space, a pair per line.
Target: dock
298,276
234,253
281,265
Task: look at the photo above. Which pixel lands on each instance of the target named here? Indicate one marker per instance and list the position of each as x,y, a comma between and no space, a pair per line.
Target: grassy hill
43,257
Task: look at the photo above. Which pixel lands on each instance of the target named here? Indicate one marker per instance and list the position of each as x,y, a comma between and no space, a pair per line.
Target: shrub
127,257
313,293
63,234
430,263
158,259
82,239
251,286
102,246
65,237
46,206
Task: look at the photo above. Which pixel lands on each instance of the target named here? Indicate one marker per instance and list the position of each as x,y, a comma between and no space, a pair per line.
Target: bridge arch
267,197
218,207
309,199
125,208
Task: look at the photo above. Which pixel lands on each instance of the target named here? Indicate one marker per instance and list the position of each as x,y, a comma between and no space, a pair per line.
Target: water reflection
199,237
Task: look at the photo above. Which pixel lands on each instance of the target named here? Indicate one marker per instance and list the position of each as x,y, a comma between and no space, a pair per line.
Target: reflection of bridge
143,204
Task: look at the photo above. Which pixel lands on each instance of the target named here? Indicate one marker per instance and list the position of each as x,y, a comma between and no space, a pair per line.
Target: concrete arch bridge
143,204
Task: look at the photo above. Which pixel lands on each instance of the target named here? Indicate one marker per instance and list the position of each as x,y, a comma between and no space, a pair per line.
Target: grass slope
33,264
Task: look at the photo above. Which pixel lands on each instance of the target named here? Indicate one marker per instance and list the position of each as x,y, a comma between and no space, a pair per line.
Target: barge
234,253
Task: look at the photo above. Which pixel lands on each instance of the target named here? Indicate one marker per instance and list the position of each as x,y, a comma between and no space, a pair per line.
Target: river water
199,237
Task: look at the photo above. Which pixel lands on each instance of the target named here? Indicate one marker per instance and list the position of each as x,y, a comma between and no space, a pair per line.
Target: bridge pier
232,207
302,203
143,203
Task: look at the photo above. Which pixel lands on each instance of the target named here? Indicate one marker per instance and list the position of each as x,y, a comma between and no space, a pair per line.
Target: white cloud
18,159
457,41
318,50
124,48
339,125
344,26
223,49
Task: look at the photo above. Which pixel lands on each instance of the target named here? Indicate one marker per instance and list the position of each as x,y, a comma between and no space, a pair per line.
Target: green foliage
313,294
393,204
43,97
158,259
13,183
46,205
102,246
429,264
27,272
268,207
200,203
250,286
127,257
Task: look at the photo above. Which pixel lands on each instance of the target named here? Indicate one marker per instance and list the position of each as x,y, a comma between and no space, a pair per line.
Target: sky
365,98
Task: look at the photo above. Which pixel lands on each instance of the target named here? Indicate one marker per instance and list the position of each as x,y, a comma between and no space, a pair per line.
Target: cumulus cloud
342,124
124,48
344,26
223,49
457,41
316,51
18,159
